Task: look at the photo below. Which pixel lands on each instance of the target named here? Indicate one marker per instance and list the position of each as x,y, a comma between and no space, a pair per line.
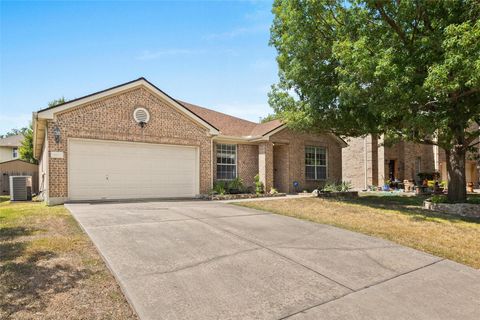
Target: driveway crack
273,251
362,289
193,265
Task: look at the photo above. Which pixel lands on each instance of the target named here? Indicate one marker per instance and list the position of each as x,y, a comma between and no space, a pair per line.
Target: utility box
20,188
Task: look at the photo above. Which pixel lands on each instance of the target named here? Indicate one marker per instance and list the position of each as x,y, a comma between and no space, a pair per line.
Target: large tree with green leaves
407,69
26,149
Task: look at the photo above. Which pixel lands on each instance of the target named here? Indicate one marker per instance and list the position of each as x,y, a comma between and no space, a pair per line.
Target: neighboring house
367,161
472,168
17,167
9,147
135,141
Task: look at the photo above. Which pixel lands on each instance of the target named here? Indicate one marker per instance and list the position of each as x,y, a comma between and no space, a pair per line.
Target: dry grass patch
49,269
398,219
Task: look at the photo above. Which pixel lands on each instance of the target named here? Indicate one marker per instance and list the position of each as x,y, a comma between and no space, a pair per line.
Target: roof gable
48,113
12,141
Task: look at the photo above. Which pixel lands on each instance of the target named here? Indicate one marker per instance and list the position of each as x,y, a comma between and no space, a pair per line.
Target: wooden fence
17,168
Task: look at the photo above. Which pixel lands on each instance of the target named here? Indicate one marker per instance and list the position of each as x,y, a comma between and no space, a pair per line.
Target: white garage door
100,169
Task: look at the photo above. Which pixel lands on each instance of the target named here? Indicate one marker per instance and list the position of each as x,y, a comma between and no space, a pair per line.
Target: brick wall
112,119
353,162
247,162
296,152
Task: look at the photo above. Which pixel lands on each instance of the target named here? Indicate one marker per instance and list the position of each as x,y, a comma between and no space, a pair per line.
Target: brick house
367,161
135,141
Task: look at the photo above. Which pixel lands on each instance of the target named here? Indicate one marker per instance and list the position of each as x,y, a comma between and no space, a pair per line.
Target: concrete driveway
211,260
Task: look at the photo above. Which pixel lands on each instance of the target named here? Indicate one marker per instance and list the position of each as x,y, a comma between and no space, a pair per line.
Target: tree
55,102
269,117
26,149
407,69
14,132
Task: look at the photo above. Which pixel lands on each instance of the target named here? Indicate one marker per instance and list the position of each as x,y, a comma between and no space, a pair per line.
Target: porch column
265,164
381,162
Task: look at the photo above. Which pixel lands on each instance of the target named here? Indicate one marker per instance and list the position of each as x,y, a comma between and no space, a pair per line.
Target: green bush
258,185
439,199
273,191
444,199
235,186
474,200
219,187
343,186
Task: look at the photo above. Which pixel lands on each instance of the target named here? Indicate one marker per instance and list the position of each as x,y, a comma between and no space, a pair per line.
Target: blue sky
211,53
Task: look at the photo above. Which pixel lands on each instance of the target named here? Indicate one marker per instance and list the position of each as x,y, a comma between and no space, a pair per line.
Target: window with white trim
315,163
418,165
15,153
226,161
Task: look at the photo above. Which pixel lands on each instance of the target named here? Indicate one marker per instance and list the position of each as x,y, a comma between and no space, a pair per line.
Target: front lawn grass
49,269
395,218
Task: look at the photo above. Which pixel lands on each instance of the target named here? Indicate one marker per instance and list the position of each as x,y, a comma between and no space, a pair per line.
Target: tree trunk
457,185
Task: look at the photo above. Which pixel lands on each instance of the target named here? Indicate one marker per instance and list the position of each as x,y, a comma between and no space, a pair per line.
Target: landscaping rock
461,209
243,196
339,195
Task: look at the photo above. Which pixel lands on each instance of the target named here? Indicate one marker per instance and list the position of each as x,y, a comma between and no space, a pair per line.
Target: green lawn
50,269
395,218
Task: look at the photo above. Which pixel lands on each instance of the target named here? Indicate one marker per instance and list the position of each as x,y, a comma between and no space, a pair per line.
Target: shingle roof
12,141
232,126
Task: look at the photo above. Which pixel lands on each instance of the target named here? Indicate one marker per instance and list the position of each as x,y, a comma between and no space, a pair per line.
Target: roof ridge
222,113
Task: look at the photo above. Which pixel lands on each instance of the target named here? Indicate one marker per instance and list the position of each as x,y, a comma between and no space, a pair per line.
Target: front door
280,168
392,170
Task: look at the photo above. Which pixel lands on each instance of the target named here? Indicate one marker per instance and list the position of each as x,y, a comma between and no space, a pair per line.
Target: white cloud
8,122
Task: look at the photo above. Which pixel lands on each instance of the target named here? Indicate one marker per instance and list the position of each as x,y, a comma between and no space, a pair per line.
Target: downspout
211,163
366,158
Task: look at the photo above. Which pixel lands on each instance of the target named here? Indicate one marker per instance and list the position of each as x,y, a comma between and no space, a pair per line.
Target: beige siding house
135,141
9,147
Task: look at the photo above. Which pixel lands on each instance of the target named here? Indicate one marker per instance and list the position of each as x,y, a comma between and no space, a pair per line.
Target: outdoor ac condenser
20,188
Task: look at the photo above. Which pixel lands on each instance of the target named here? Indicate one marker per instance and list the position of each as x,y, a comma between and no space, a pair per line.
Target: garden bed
243,196
462,209
338,195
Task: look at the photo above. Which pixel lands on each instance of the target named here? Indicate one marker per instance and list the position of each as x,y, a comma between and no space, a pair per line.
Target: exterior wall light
56,134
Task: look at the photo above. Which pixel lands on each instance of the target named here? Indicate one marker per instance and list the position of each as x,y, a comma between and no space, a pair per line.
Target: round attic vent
141,115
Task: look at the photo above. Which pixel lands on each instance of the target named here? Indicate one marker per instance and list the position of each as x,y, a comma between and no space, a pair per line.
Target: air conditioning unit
20,188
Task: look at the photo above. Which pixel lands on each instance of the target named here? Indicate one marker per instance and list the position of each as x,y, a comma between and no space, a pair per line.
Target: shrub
258,185
329,187
273,191
439,199
343,186
474,200
235,186
219,187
